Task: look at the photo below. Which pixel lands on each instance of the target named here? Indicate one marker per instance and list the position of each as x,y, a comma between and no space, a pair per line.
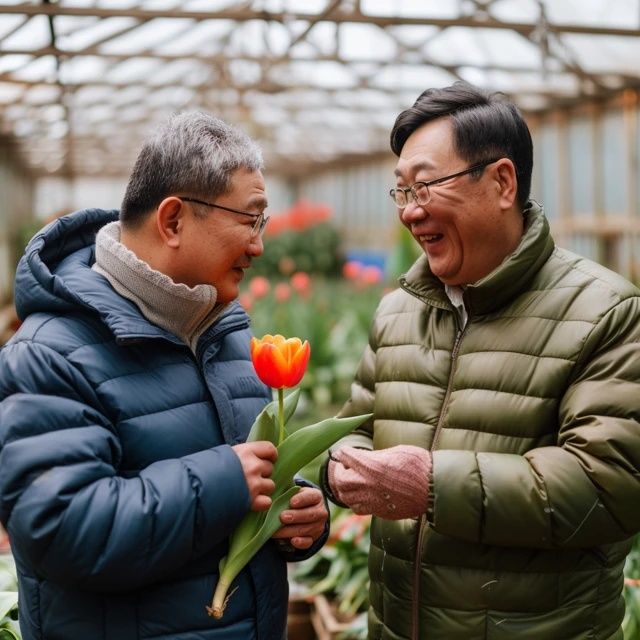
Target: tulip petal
278,361
298,364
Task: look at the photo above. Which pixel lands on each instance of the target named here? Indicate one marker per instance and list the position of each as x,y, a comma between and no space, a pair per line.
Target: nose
256,246
412,213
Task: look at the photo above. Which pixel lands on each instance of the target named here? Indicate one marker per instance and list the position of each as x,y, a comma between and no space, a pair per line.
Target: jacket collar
501,285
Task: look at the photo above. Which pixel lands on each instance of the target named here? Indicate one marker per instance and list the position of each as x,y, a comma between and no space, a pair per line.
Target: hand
257,460
389,483
304,522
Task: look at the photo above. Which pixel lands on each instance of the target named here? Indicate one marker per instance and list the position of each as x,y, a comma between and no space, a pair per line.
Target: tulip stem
281,413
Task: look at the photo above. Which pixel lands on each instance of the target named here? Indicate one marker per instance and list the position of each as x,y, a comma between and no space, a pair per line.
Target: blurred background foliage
631,624
301,238
305,286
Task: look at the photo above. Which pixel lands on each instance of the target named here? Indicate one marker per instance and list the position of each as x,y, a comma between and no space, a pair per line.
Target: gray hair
192,153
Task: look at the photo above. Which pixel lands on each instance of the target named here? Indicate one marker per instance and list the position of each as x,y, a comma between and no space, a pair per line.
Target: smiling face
471,224
216,248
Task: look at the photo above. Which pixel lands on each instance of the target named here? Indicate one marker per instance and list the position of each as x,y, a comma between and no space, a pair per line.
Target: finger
357,458
303,516
347,455
306,497
265,450
266,486
301,542
266,468
261,503
297,531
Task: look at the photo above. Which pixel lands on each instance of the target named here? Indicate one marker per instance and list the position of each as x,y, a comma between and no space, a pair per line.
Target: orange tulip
280,362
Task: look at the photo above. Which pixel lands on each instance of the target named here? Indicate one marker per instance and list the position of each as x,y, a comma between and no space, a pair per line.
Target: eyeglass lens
259,225
418,192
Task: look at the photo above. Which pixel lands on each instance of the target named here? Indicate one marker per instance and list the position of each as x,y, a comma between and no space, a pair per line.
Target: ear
170,221
506,182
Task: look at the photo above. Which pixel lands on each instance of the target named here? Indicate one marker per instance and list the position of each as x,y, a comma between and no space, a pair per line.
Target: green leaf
8,601
297,450
265,426
236,560
306,443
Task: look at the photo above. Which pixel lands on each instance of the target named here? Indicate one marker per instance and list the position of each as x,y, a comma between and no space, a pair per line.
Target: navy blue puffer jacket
118,484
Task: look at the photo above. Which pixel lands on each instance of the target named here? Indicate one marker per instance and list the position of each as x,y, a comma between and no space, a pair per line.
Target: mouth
430,238
239,271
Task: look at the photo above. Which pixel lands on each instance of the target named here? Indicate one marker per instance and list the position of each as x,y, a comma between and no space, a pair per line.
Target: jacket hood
55,276
501,285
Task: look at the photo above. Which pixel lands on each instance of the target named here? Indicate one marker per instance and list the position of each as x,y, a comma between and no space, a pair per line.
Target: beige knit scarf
184,311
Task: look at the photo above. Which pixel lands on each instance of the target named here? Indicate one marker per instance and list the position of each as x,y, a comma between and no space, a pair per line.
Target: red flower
282,292
352,269
259,287
301,282
280,362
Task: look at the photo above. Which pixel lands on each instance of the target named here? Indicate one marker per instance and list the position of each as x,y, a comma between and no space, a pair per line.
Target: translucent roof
82,81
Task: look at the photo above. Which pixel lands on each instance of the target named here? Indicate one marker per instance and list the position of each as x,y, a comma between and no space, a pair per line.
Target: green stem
281,413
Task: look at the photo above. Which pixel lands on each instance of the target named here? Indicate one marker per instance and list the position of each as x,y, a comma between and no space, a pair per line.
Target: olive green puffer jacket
532,412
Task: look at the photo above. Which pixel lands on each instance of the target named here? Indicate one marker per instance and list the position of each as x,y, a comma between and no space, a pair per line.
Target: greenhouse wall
16,187
585,175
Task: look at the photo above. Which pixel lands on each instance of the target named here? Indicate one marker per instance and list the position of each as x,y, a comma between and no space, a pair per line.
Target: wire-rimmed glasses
419,191
260,219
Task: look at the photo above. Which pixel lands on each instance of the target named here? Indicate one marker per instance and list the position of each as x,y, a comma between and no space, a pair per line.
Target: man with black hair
502,462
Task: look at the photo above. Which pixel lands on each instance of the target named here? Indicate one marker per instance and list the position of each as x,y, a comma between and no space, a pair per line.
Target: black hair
485,126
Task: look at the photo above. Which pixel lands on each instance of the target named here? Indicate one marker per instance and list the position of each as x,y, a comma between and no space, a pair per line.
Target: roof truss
311,84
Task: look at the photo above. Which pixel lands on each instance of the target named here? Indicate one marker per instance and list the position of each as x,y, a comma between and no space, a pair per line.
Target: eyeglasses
419,191
260,219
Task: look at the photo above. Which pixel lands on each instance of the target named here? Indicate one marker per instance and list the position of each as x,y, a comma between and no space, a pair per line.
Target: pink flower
371,275
286,265
246,300
282,292
351,270
301,282
259,287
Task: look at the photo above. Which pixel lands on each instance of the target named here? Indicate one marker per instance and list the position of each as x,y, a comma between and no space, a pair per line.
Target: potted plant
337,579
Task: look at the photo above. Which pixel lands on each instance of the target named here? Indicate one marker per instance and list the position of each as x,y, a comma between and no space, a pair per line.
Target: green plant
9,629
339,570
294,451
404,253
631,622
315,249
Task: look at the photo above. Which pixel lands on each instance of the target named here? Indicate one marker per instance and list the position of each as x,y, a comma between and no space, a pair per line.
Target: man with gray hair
125,401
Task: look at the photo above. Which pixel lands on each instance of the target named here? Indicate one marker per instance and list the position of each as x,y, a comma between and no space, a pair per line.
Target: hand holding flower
304,520
280,363
257,460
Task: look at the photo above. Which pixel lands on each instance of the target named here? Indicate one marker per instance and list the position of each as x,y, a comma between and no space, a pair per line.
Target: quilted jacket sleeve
70,517
582,492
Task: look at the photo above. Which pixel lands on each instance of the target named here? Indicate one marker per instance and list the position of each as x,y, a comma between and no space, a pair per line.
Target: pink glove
390,483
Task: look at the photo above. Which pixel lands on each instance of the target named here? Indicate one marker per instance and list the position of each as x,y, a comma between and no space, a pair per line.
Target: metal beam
244,15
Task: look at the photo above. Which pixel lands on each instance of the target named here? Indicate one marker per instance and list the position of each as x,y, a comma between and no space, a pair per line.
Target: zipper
415,634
